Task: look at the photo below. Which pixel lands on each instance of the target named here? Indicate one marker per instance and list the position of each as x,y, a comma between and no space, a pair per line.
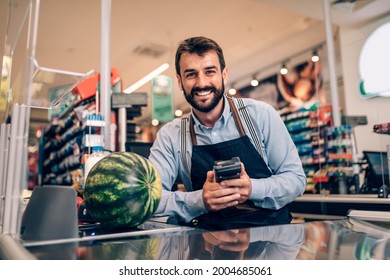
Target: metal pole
388,160
105,70
122,129
4,159
10,200
20,180
333,79
332,63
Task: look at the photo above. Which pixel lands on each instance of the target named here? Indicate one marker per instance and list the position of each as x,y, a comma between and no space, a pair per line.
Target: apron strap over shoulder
183,143
192,132
236,117
249,124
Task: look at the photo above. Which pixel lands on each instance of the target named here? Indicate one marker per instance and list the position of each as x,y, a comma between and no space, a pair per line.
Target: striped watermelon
123,189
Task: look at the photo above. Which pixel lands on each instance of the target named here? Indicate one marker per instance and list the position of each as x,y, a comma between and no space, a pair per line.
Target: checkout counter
336,206
333,227
346,239
362,235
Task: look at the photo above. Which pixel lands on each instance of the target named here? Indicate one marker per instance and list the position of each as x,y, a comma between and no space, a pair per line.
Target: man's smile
203,92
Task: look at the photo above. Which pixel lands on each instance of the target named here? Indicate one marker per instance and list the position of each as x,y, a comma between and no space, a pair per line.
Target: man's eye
210,72
190,75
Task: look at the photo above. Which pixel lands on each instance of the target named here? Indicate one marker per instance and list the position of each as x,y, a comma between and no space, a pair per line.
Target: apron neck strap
236,117
192,131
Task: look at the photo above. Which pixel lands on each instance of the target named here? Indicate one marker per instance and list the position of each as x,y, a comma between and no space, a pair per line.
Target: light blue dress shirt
280,154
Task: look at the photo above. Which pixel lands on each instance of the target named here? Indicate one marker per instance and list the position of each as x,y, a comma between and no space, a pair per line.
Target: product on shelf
383,128
307,128
338,169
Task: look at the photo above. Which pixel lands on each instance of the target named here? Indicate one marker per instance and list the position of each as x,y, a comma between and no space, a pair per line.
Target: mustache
196,89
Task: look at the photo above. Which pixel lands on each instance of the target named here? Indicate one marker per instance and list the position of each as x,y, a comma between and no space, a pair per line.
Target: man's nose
202,80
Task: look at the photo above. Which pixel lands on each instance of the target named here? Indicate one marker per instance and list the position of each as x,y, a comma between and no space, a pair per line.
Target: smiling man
221,127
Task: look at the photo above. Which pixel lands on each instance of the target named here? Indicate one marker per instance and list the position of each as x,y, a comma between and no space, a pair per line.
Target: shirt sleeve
288,180
165,157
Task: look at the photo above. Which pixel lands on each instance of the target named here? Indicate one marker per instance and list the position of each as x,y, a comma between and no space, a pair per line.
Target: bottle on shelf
97,154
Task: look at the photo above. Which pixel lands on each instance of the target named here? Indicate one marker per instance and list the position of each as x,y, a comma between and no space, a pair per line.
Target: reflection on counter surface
344,239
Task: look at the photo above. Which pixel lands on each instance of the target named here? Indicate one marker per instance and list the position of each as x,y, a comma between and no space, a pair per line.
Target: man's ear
225,75
179,82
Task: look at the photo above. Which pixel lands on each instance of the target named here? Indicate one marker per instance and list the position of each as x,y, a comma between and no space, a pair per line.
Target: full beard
200,105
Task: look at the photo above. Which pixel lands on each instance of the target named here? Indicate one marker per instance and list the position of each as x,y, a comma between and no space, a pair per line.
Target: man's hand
229,240
217,196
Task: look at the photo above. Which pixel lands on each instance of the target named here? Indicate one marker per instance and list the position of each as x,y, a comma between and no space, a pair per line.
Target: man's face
202,80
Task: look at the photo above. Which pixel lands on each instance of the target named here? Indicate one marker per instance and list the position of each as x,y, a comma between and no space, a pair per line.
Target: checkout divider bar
11,249
109,236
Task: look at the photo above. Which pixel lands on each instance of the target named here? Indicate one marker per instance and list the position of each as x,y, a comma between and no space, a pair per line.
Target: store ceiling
253,33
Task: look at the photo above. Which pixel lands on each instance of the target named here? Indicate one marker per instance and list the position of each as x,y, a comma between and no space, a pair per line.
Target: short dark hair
198,45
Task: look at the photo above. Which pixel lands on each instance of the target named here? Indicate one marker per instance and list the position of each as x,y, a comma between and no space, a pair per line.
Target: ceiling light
254,82
178,113
155,122
283,70
147,78
315,56
232,91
